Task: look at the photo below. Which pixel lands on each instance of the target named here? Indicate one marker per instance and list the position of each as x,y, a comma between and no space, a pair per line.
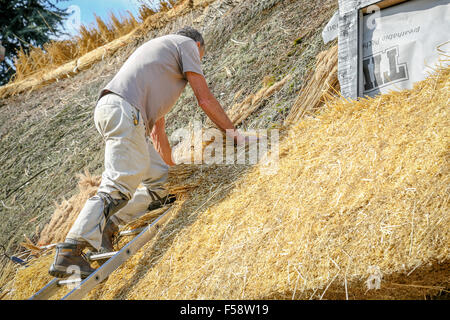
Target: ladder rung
50,246
132,232
102,256
69,282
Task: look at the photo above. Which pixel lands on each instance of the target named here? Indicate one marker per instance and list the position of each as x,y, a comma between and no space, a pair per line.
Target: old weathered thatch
67,211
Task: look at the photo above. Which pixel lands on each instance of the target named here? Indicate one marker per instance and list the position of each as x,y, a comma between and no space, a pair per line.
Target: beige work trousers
132,165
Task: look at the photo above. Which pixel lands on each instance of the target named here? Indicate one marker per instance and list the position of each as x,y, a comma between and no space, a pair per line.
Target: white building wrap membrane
402,44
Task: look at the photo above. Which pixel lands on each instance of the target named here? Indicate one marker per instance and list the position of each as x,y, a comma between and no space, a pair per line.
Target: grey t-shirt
154,76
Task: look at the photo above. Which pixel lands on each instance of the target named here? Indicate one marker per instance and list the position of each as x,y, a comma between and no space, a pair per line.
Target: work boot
159,202
69,260
109,233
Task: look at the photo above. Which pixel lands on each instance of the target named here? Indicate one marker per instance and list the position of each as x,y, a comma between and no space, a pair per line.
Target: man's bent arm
161,142
209,103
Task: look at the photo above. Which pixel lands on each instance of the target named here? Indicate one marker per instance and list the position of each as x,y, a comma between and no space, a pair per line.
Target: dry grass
7,272
30,280
361,199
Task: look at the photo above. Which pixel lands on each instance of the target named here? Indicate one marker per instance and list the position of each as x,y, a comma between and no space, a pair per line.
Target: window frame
350,40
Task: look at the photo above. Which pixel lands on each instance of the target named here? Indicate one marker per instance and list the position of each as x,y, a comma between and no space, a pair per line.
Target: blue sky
83,10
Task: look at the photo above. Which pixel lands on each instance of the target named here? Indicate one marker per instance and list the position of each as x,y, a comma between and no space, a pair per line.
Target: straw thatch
360,200
359,208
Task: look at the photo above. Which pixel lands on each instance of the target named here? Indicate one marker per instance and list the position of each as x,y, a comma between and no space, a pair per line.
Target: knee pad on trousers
111,205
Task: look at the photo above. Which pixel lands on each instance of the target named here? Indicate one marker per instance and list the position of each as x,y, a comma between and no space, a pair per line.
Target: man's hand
252,139
242,139
238,138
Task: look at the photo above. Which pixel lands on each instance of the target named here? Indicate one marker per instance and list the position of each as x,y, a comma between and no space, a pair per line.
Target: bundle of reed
182,179
321,84
241,111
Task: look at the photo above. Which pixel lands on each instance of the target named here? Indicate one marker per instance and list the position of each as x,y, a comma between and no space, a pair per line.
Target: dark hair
192,33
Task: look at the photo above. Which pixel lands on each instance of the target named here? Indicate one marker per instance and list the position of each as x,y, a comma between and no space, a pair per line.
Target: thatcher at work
130,117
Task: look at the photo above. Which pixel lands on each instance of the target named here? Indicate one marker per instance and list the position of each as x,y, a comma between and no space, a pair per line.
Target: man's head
196,36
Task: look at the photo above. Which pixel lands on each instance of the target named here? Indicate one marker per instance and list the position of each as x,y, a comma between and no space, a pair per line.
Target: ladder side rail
116,261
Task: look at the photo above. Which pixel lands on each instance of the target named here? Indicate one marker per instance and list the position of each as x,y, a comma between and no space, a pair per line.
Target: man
129,113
